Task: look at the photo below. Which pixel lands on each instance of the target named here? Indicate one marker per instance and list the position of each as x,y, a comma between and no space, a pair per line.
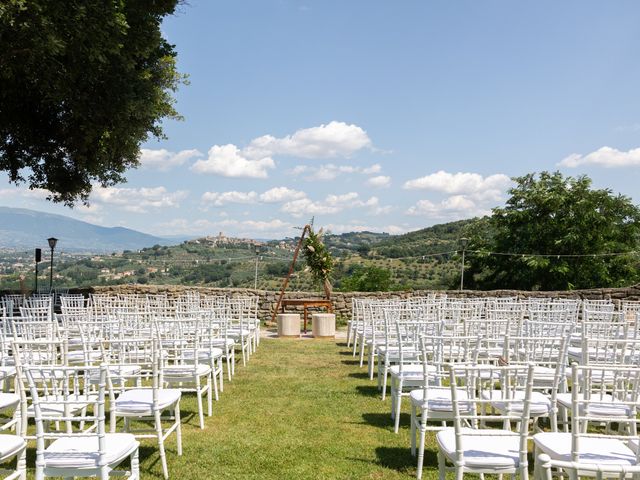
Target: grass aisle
300,409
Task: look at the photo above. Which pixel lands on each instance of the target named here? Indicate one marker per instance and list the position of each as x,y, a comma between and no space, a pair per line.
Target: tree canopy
367,279
553,216
82,85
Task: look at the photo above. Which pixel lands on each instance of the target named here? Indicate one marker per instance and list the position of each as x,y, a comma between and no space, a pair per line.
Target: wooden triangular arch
285,283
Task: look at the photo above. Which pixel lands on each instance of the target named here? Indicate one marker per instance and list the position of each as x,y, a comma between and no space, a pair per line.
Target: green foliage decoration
318,259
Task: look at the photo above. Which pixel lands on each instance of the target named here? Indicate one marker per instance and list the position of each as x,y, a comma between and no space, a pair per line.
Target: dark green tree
82,85
367,279
549,214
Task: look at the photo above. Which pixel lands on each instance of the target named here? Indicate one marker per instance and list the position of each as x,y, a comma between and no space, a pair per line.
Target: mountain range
24,229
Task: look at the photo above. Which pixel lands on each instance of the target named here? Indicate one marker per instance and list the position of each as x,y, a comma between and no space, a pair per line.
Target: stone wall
342,300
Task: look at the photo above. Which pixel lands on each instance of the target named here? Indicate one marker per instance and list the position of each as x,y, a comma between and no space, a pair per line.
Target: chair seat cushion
203,354
9,400
82,452
10,445
439,399
78,356
592,449
608,407
540,404
175,373
140,400
50,406
238,332
118,373
491,448
411,371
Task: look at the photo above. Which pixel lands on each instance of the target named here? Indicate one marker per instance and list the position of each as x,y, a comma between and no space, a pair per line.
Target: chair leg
243,347
163,455
414,416
176,414
21,466
211,376
442,467
220,374
398,405
385,374
135,465
421,432
200,407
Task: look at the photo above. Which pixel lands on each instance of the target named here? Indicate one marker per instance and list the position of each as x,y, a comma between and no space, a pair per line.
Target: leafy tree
367,279
550,214
82,85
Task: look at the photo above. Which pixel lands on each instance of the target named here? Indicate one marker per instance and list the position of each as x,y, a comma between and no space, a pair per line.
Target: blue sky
378,115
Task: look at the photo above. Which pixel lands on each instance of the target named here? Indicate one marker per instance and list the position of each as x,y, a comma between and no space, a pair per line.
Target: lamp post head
464,242
52,242
257,250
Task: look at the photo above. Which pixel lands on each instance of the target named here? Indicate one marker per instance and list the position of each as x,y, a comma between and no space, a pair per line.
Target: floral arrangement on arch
319,260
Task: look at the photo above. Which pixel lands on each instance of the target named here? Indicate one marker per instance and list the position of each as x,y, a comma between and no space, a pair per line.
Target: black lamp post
52,244
463,243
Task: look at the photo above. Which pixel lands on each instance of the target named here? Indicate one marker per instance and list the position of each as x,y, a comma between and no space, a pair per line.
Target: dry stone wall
342,300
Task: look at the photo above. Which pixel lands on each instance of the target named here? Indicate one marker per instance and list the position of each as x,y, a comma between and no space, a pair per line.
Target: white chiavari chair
81,451
142,396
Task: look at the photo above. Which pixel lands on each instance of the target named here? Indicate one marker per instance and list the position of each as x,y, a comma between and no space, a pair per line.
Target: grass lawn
300,409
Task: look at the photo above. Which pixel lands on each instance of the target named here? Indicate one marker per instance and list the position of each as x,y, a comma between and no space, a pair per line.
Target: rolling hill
25,229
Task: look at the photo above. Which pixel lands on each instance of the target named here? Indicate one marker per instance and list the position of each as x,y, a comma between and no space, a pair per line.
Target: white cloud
335,139
454,207
305,206
281,194
375,168
36,193
229,161
471,184
163,160
219,199
265,226
274,228
331,171
355,227
331,204
379,181
604,157
138,200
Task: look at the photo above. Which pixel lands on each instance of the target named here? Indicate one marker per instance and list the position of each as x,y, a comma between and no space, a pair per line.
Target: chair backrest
40,353
30,329
12,303
472,395
142,353
39,312
179,339
75,300
69,387
437,352
594,402
603,324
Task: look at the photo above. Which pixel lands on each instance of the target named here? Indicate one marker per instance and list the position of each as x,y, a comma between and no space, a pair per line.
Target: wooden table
306,303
